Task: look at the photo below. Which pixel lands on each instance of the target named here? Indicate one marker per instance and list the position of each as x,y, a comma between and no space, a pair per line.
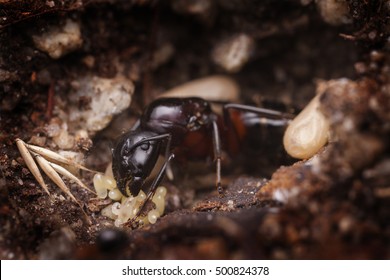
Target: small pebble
335,12
59,40
233,53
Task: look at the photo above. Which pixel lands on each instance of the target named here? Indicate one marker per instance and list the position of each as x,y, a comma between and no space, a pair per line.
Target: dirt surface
334,205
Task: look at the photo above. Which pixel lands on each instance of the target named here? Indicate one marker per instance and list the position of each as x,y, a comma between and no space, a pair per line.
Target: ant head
133,158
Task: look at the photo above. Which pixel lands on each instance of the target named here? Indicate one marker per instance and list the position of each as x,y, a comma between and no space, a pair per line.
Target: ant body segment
185,127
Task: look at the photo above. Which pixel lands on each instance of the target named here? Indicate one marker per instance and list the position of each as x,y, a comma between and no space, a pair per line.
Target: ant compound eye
145,146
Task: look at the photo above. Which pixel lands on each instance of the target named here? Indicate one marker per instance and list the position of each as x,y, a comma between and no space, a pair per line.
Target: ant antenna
153,189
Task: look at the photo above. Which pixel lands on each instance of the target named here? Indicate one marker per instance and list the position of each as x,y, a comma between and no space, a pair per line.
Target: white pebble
233,53
108,97
64,140
58,41
335,12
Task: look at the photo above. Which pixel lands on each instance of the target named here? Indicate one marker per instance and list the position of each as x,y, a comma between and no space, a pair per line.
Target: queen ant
186,127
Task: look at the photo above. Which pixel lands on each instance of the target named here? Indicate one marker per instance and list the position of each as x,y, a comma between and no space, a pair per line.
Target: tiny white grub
284,195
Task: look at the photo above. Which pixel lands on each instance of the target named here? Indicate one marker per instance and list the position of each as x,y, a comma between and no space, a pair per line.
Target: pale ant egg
107,212
161,191
115,208
153,215
100,188
115,194
128,207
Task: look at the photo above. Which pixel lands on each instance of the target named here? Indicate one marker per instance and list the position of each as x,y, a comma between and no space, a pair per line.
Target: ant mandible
184,126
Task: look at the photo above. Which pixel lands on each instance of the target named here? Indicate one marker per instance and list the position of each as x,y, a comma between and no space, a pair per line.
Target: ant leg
168,171
217,155
152,190
136,125
266,113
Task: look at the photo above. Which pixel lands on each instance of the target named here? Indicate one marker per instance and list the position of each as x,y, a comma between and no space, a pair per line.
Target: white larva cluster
125,208
307,133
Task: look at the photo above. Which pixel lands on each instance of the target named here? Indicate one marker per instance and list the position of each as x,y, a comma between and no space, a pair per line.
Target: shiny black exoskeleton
168,120
185,126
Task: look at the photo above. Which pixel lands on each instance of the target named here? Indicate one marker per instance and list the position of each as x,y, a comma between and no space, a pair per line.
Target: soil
335,205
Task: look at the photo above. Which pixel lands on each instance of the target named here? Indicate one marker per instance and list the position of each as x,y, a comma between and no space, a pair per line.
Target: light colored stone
60,40
105,98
